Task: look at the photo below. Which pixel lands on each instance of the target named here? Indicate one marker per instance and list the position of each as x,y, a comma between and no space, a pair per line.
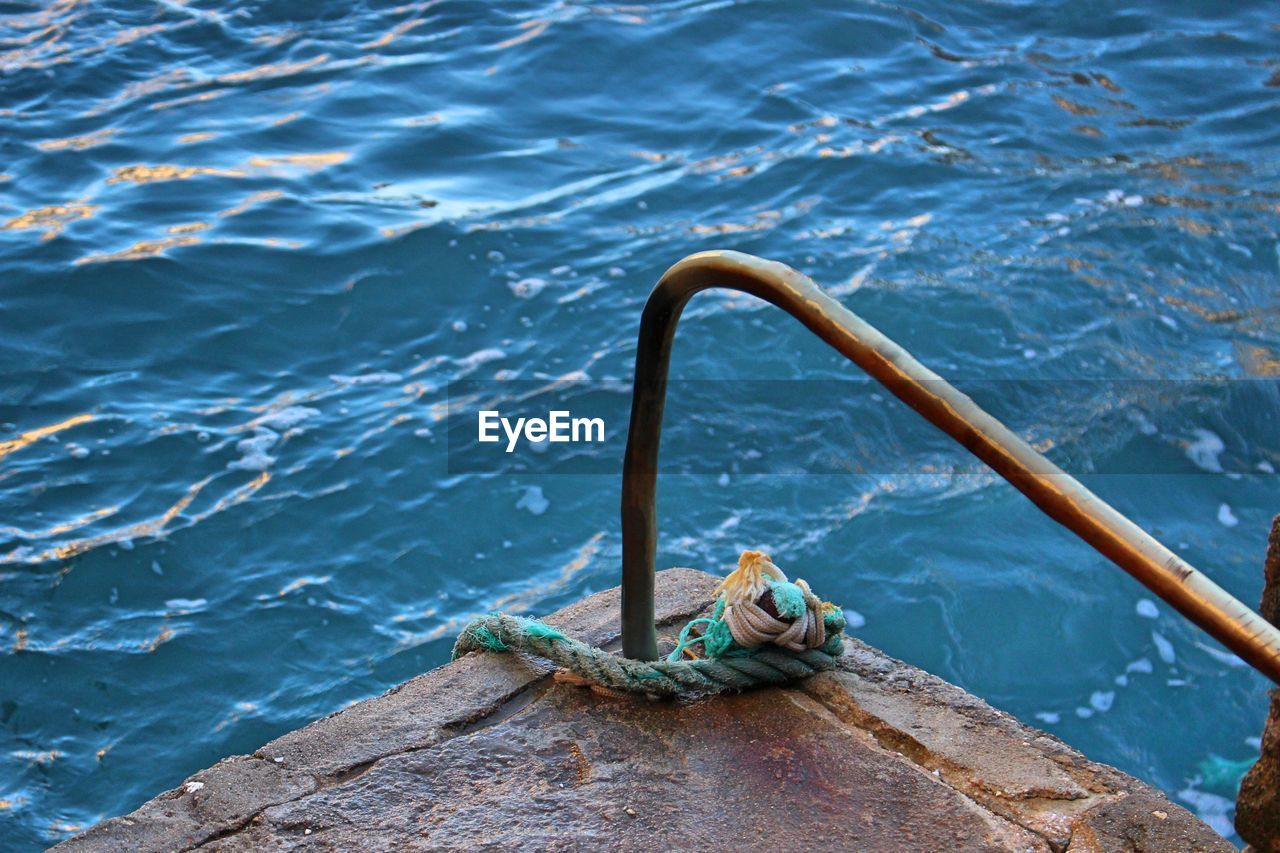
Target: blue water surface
245,246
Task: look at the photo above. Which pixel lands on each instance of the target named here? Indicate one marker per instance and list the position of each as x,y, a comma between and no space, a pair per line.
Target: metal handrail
1055,492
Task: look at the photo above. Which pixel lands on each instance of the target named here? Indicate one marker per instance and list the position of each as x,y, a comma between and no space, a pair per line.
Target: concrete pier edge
490,750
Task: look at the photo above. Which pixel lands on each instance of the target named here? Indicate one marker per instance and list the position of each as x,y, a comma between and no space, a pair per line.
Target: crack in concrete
915,754
958,777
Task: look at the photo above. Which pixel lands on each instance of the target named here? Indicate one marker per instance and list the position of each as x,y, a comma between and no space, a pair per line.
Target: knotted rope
764,630
752,625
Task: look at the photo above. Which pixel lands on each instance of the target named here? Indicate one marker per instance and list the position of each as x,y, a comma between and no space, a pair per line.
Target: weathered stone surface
488,752
1140,820
772,768
413,715
1270,605
1258,806
1003,767
1026,776
212,801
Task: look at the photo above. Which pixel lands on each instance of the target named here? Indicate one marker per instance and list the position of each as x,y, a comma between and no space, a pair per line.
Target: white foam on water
1140,665
286,418
253,450
186,604
1146,608
1265,467
1164,648
853,619
1084,713
1221,655
481,356
1050,717
1145,426
1205,450
1102,700
527,288
533,500
1213,809
1226,517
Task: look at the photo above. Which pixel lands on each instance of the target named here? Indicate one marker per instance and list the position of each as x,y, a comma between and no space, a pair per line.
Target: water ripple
248,248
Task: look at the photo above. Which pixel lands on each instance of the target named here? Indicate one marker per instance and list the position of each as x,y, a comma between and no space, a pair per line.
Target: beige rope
752,626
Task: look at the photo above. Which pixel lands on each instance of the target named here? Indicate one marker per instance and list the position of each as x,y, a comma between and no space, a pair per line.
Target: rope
752,625
783,633
498,632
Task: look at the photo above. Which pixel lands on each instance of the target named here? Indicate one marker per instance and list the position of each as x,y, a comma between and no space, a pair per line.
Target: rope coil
780,633
752,625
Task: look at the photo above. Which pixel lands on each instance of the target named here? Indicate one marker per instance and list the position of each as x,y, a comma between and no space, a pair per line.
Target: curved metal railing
1058,494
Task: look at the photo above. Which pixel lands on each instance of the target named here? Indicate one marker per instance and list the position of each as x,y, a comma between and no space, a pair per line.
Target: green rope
727,666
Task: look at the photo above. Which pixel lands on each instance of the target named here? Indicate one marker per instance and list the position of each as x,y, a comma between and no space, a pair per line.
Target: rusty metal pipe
1055,492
